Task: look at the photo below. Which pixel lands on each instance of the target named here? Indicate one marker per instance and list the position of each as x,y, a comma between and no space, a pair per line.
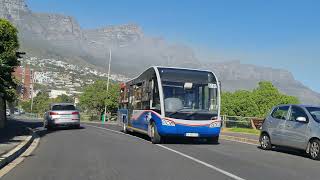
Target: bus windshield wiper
175,112
196,112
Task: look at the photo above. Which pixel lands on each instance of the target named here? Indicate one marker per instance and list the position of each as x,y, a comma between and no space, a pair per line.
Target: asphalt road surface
97,153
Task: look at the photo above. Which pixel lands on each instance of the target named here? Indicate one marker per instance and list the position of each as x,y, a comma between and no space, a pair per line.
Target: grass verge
242,130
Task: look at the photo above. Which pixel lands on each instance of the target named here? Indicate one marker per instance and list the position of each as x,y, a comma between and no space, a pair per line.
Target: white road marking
5,170
181,154
203,163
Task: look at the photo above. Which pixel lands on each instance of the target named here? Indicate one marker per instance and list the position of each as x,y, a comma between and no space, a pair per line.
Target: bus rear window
63,108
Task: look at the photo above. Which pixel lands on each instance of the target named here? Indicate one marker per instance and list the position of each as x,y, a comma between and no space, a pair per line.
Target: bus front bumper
189,131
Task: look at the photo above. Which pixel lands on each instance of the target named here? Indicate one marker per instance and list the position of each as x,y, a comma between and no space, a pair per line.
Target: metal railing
88,117
241,122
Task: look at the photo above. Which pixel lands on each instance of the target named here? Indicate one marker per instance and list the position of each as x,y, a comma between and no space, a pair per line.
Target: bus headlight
215,124
166,122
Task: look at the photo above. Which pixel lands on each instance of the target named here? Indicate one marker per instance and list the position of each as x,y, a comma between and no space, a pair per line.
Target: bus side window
146,95
137,96
155,96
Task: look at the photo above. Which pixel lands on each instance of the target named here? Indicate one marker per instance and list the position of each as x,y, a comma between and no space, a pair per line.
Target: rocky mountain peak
120,34
13,9
60,36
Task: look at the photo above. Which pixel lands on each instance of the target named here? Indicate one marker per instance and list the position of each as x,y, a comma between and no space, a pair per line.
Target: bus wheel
213,140
154,135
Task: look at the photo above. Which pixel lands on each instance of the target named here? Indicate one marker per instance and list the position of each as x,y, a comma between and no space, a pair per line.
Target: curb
240,139
106,123
10,156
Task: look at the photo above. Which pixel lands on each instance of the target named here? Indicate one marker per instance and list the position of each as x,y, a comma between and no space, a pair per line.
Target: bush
256,103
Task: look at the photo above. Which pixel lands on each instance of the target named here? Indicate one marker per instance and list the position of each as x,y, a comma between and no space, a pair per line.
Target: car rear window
63,108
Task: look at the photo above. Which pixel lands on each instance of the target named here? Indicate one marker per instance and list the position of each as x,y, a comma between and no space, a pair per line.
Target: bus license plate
192,135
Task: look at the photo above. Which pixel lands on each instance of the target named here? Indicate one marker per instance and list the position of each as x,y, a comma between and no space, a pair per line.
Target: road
100,153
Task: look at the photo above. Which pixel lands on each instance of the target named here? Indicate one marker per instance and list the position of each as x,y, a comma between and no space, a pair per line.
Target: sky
274,33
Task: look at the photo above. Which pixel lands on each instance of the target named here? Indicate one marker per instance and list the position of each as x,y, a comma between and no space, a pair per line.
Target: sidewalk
12,135
241,137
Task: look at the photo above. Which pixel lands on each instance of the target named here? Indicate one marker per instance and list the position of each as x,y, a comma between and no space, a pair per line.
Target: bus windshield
188,93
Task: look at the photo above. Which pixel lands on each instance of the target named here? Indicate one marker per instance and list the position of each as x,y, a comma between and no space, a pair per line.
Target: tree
267,95
8,58
95,97
41,103
63,99
256,103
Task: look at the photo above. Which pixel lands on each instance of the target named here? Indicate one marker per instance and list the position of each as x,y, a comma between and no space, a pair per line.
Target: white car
62,114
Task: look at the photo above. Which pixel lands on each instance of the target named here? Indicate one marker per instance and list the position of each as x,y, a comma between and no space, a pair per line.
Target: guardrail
87,117
241,122
227,121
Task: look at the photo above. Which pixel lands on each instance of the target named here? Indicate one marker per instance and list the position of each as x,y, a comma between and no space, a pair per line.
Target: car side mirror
301,119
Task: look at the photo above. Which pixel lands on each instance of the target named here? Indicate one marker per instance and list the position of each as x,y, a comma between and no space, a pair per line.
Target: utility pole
32,82
108,79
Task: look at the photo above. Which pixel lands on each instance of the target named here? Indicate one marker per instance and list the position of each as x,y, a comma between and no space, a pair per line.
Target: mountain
61,37
234,75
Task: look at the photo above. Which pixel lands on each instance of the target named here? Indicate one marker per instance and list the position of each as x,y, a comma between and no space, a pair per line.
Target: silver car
294,126
62,114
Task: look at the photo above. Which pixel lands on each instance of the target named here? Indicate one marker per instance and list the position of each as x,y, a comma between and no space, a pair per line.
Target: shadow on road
290,151
17,127
294,152
176,140
43,132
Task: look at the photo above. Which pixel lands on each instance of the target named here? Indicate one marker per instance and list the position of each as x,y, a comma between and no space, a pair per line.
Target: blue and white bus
166,102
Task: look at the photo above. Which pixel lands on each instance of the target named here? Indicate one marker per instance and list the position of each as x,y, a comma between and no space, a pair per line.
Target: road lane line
202,162
106,129
5,170
181,154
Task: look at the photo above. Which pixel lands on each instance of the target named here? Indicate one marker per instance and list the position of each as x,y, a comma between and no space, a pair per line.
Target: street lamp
108,76
108,79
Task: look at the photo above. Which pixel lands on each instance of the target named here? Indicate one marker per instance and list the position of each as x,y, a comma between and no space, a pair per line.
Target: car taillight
75,112
53,113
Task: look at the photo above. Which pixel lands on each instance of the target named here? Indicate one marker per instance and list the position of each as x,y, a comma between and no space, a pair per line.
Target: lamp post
108,76
108,79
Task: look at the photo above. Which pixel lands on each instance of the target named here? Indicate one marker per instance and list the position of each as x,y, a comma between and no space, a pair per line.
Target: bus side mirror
187,86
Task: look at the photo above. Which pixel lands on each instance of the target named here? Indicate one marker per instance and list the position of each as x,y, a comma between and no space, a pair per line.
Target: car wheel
154,135
314,150
265,142
213,140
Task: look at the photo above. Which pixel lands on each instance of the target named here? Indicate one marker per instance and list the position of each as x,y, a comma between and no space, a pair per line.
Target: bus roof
192,69
157,67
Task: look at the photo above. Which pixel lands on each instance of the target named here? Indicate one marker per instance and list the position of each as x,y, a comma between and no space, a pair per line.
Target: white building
42,77
56,93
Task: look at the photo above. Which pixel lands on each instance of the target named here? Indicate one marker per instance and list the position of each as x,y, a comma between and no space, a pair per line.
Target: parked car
8,112
62,114
294,126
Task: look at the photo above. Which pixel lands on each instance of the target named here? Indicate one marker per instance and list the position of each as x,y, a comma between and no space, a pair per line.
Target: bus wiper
194,113
175,112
